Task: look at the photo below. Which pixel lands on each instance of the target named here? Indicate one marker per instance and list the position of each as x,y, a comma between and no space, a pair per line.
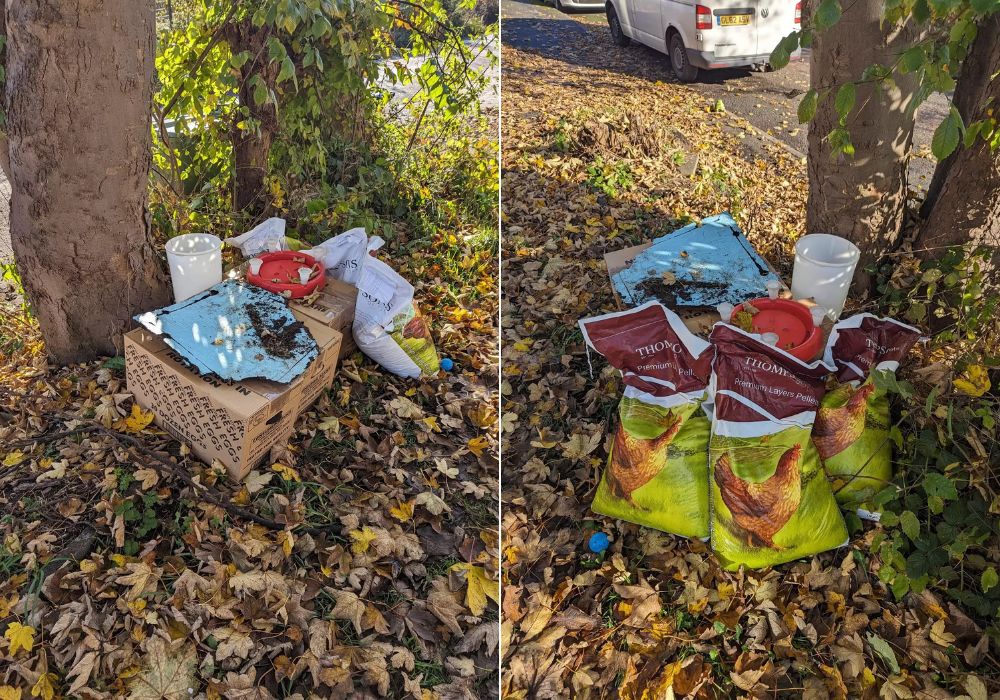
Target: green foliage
947,135
610,178
305,77
935,61
807,107
940,516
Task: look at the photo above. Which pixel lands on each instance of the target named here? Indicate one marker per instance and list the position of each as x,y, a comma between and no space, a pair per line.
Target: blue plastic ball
447,364
598,542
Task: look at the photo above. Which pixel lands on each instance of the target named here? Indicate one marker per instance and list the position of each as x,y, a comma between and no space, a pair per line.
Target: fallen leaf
137,421
168,672
20,637
974,381
479,586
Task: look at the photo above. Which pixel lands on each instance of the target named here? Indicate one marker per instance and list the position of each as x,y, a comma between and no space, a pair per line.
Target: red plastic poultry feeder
279,273
791,321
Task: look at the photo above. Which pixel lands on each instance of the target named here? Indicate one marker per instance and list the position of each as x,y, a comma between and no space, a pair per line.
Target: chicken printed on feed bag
762,509
635,461
836,429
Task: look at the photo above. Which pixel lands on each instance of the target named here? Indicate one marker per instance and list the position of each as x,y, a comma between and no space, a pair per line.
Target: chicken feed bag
387,326
851,431
771,501
656,474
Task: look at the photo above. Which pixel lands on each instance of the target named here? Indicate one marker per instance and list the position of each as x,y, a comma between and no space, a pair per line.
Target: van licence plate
733,20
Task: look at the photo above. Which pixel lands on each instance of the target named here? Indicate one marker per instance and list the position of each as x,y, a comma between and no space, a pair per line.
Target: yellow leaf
9,692
287,543
478,587
20,637
286,472
974,381
136,422
13,459
330,424
43,688
477,445
362,539
403,512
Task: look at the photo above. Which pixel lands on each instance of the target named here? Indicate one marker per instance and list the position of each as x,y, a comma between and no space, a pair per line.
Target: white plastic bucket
824,267
195,261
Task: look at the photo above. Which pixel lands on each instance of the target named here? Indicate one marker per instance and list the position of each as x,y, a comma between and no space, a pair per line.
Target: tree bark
4,151
252,148
861,198
79,88
963,205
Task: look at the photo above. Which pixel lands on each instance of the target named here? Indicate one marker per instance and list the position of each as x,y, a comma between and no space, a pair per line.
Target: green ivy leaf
912,59
287,70
840,143
238,59
939,486
882,649
989,579
916,565
844,102
782,53
985,7
947,135
911,526
807,106
259,93
827,14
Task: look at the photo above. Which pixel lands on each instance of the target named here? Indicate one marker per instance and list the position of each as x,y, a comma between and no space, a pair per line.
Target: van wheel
683,69
617,33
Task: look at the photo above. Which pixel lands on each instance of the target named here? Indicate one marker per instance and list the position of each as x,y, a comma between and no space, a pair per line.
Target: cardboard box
334,307
698,322
236,423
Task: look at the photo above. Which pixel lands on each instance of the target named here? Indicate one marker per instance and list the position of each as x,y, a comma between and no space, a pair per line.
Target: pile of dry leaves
360,561
658,618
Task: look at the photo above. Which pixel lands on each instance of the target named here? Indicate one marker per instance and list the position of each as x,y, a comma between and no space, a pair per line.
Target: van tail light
703,17
798,13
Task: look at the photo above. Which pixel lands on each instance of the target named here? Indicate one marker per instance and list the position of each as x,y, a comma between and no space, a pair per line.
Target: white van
718,34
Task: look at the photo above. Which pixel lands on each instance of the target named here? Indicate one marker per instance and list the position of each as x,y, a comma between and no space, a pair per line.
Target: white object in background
824,267
773,287
770,338
304,274
266,236
195,261
725,310
255,264
818,314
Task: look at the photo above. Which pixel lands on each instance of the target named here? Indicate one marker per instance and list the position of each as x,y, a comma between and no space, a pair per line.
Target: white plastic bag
387,326
343,254
265,237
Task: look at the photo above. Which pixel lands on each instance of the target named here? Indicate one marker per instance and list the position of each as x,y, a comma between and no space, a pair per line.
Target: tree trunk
4,151
963,205
861,198
79,88
252,148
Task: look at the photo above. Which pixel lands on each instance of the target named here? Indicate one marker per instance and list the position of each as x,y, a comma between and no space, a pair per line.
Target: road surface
767,100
